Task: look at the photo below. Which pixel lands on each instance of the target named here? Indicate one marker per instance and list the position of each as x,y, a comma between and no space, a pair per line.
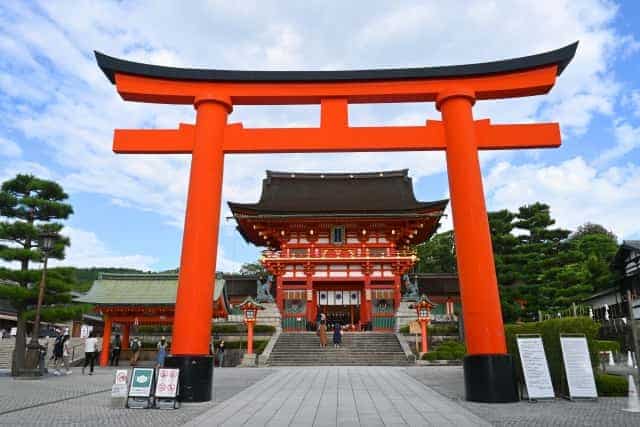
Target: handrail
328,253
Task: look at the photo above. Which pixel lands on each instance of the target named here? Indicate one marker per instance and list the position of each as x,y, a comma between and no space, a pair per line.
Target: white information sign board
119,388
13,332
167,383
141,381
535,368
577,366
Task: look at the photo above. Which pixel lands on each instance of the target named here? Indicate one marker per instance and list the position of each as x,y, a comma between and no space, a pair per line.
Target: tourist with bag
90,352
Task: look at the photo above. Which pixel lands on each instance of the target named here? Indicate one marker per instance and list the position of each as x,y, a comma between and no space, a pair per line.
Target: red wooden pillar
311,300
365,304
488,370
396,289
106,341
194,304
423,326
126,331
279,293
484,330
250,337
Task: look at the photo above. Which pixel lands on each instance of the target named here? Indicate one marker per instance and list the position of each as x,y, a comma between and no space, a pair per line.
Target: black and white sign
535,368
577,366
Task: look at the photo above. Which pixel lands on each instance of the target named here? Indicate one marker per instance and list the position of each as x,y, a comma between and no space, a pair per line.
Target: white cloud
9,148
627,139
63,103
88,250
575,191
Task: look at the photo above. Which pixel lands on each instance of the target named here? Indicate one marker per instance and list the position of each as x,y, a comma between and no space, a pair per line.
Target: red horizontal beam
154,141
493,86
431,137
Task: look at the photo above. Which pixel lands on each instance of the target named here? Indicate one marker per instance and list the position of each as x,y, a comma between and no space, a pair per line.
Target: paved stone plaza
321,396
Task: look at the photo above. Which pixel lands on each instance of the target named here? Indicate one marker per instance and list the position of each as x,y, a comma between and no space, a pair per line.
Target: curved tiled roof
317,194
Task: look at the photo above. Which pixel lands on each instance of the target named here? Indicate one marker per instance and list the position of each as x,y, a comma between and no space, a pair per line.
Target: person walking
162,352
322,333
65,354
90,351
220,353
337,335
115,351
136,347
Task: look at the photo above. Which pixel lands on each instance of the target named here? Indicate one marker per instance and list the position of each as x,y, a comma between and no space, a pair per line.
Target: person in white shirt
90,352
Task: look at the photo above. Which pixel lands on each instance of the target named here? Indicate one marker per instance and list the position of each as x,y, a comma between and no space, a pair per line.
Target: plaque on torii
454,89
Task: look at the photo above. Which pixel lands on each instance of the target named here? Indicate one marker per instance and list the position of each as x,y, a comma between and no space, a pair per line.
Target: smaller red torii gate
455,89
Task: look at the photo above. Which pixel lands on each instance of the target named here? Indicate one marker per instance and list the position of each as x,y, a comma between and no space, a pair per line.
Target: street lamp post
250,309
423,310
47,242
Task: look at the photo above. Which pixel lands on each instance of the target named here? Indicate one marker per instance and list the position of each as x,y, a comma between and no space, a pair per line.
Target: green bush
437,329
447,350
264,329
154,329
606,345
227,328
612,385
550,331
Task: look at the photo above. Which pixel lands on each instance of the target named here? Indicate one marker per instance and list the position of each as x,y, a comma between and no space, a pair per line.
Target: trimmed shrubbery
550,331
612,385
436,329
240,328
447,350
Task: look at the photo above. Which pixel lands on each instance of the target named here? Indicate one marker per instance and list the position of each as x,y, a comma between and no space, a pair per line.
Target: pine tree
29,207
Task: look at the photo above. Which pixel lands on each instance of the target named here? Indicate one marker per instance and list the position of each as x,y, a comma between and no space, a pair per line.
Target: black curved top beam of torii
560,57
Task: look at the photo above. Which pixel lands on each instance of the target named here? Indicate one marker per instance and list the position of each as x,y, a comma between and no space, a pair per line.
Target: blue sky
59,111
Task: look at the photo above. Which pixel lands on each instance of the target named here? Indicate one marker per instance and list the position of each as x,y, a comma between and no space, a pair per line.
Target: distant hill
86,276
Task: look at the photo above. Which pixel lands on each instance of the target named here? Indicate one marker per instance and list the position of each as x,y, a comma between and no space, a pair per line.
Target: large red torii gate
488,368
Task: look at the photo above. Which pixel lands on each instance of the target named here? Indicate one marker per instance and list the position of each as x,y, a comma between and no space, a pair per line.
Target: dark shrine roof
388,193
559,57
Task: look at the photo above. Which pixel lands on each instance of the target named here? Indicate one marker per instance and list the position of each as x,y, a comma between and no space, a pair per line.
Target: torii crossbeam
488,368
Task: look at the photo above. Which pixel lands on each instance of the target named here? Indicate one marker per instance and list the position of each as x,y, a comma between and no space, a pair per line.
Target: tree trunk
19,350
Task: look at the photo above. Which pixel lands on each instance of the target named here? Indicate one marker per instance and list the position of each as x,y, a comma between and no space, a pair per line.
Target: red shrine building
338,243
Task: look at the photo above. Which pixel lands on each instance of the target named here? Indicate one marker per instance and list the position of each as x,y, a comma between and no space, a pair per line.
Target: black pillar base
490,378
196,377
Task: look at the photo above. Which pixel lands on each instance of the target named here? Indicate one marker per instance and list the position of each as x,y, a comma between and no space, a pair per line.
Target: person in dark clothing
115,351
337,336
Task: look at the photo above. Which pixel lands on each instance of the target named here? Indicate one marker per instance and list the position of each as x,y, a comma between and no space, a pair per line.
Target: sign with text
119,388
141,381
535,368
577,366
167,383
414,328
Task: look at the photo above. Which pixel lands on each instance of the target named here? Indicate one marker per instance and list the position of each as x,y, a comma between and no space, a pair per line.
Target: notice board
141,381
535,368
577,367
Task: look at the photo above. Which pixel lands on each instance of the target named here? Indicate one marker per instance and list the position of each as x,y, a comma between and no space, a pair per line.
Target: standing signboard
119,388
414,329
577,367
167,388
535,368
140,388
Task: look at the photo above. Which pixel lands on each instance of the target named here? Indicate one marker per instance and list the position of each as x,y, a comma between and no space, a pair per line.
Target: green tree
29,207
253,269
438,254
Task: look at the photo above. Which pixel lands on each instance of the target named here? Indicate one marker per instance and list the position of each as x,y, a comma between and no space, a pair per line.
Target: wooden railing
333,253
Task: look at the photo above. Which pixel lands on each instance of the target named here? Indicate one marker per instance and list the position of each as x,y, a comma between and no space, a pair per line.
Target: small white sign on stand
535,368
577,367
167,389
119,388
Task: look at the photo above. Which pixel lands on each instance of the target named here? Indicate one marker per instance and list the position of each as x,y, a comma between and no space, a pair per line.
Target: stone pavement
344,396
338,396
78,400
606,411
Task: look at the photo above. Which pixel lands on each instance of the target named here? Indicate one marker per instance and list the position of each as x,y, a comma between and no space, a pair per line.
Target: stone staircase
358,349
6,352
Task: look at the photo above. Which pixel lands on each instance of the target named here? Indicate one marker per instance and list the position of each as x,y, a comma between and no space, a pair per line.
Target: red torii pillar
488,368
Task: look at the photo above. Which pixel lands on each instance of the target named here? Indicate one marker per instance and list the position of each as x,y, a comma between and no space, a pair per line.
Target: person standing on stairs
337,335
322,333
